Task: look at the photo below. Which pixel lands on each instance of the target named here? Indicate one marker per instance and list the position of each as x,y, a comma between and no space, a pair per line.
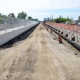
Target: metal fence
74,28
10,22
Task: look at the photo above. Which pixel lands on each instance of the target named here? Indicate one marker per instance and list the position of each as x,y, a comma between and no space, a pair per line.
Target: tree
1,18
0,14
22,15
35,19
60,16
62,20
79,18
11,15
29,18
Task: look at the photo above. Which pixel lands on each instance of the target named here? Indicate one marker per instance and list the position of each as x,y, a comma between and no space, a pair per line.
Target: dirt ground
39,57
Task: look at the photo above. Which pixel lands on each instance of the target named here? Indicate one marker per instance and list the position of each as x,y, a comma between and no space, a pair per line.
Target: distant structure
60,16
46,19
79,18
52,17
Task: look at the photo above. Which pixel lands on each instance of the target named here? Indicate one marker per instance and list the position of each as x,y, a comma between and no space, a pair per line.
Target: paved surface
39,57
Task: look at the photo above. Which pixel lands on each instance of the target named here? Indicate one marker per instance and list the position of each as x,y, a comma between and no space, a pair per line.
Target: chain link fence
10,22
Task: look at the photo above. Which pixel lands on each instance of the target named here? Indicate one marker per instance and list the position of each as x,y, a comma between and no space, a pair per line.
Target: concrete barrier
75,39
70,34
8,34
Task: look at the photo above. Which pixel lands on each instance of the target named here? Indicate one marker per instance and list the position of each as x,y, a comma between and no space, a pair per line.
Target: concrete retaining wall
74,36
8,34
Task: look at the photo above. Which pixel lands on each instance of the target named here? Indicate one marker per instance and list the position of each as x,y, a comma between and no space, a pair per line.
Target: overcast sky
42,8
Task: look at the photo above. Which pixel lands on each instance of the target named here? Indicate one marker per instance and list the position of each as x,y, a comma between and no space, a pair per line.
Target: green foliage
35,19
63,20
11,15
0,15
29,18
1,19
22,15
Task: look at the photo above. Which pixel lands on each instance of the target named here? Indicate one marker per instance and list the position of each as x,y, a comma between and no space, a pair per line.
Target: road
39,57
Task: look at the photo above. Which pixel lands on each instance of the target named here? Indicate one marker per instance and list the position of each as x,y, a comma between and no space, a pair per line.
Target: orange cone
51,31
60,39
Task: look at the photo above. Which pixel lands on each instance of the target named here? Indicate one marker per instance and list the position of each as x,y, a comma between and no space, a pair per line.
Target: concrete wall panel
11,33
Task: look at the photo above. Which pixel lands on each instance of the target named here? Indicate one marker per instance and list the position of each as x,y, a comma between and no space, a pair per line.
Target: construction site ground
39,57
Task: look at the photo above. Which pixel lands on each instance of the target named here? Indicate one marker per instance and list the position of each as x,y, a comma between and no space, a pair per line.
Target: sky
42,8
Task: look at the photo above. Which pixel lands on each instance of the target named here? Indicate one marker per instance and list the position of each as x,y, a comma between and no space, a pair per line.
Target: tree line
21,15
62,20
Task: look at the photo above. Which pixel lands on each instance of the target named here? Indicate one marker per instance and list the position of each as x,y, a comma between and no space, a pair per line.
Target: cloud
48,4
36,8
41,4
